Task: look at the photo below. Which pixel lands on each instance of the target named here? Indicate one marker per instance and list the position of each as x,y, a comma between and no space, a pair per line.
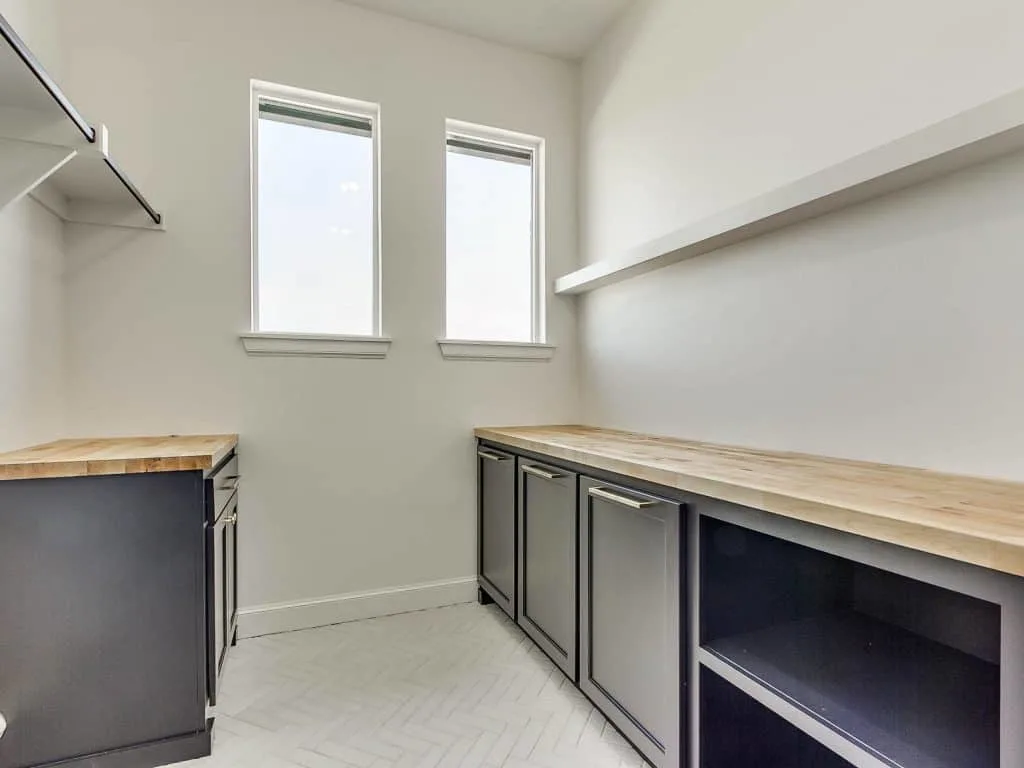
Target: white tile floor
458,686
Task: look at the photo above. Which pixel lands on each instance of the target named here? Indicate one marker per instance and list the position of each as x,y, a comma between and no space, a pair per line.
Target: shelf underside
89,190
908,700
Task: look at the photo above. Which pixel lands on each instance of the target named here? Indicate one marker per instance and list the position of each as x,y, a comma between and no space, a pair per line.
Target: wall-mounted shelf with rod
49,151
974,136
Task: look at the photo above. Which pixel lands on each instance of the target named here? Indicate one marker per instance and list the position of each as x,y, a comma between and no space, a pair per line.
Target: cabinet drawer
221,486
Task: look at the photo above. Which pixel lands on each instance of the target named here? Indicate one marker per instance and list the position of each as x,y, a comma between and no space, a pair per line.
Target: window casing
315,214
494,273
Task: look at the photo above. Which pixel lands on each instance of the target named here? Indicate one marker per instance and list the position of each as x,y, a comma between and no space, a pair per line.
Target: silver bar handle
543,473
492,456
618,498
3,725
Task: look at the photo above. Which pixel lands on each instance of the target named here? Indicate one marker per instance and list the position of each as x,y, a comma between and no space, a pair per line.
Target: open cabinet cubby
906,670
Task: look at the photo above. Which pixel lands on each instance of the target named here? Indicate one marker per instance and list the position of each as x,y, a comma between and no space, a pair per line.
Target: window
493,275
316,266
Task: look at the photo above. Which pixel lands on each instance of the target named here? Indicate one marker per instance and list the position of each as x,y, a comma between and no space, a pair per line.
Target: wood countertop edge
934,537
43,468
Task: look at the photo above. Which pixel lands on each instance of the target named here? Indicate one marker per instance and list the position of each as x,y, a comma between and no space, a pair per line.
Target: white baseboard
336,609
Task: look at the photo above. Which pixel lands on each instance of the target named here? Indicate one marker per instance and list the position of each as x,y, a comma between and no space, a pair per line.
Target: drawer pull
232,484
542,473
233,520
617,498
3,725
492,456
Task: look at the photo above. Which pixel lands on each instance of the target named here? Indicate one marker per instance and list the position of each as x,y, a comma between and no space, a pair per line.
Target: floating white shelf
979,134
49,151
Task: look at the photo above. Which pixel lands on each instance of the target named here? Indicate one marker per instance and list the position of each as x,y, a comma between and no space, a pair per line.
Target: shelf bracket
25,165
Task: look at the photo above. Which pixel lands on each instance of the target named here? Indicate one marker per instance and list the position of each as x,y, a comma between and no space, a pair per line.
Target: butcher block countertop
968,519
116,456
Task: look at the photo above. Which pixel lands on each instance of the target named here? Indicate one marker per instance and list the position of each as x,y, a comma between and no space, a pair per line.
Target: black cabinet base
157,753
487,593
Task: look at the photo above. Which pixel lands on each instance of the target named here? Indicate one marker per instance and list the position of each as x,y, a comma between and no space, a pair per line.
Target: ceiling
563,28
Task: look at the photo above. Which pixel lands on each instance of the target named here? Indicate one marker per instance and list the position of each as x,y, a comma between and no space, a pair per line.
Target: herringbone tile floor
457,687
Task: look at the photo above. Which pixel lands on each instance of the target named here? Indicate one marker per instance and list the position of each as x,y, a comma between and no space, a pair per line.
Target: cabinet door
231,578
215,634
221,584
630,638
497,502
548,544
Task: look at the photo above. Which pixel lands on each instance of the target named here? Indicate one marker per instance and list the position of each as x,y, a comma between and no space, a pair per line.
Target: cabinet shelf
767,741
49,151
904,698
990,130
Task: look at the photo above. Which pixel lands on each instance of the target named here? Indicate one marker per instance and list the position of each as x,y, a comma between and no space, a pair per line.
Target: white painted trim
537,146
260,89
458,349
315,345
974,136
336,609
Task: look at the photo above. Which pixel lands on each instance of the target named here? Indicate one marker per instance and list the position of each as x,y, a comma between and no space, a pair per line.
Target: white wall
888,332
358,475
31,326
38,23
31,307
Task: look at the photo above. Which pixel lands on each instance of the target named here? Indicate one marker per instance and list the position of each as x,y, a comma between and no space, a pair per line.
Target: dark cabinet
630,594
222,573
102,620
548,544
497,520
592,573
118,602
231,576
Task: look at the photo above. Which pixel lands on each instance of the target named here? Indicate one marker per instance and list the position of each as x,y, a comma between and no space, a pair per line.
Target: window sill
315,345
514,351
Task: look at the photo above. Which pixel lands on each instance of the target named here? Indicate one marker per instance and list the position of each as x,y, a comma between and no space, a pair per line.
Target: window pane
489,269
315,224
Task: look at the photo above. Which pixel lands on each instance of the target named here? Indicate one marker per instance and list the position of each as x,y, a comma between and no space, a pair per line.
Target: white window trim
311,341
315,345
513,351
453,348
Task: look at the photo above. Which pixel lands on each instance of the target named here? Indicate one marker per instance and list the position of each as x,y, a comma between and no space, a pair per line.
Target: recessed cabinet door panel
547,560
220,539
231,578
630,614
497,555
